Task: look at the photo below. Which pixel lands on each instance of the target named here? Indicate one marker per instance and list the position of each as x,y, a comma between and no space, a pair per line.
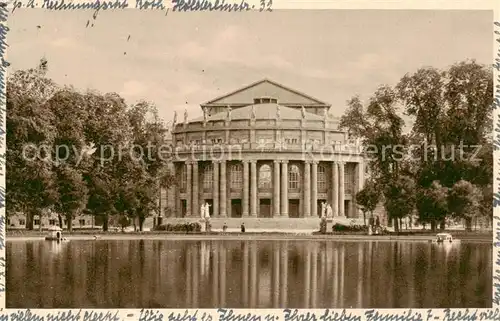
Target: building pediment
265,88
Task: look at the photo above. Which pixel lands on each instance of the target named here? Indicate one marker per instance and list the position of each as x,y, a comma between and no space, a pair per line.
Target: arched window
208,177
293,177
183,177
236,176
321,177
265,176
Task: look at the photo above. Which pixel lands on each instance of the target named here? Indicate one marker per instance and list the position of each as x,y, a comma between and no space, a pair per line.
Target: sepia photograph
268,158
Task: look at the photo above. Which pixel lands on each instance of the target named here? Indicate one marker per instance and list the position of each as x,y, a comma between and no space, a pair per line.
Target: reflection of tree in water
300,274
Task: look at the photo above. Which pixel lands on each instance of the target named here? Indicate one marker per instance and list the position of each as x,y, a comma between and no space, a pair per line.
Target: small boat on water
445,238
55,234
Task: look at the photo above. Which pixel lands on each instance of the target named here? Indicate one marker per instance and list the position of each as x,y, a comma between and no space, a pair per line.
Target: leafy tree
432,204
30,181
464,202
368,198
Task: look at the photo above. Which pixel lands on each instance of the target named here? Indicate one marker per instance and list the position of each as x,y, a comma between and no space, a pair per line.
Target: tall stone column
341,189
314,189
188,188
245,188
276,188
216,189
284,188
195,210
307,189
223,192
253,188
335,189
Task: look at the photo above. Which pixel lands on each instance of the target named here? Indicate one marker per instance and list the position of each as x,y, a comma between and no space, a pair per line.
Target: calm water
255,274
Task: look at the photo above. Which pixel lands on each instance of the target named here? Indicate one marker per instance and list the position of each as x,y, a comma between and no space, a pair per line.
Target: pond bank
89,235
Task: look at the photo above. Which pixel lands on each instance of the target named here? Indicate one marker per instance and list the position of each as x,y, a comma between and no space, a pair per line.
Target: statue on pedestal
329,211
303,110
253,112
278,113
207,210
185,116
323,209
174,121
228,115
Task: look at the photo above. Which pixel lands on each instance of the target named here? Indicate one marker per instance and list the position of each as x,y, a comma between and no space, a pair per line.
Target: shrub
349,228
182,227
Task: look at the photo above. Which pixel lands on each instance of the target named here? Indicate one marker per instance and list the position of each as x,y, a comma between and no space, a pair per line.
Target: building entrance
236,209
294,208
319,206
265,207
183,208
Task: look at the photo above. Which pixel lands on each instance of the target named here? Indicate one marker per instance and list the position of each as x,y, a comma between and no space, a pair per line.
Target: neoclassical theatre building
264,151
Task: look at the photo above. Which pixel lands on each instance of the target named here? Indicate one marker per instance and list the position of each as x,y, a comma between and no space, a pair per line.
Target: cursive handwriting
25,315
64,316
150,315
372,315
229,315
100,316
335,316
187,316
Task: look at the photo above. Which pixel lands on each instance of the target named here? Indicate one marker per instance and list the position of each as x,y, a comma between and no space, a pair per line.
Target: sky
182,60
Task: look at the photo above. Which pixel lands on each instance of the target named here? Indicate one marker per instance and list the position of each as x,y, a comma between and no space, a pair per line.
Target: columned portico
253,188
245,188
262,180
276,188
284,188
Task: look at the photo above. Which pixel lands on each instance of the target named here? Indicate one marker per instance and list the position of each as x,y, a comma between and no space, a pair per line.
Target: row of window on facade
265,177
36,222
260,141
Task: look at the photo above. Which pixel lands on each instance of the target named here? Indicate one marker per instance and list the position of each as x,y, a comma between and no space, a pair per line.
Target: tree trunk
105,223
69,218
60,221
141,222
433,225
468,224
396,226
364,217
29,220
442,224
